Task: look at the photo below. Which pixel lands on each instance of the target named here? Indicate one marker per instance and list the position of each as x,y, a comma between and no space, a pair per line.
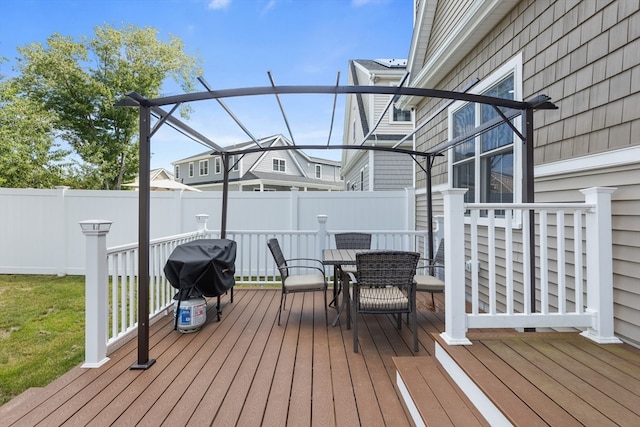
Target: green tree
29,155
80,81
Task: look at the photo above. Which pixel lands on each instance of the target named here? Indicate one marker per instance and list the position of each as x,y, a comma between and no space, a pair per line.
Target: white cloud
219,4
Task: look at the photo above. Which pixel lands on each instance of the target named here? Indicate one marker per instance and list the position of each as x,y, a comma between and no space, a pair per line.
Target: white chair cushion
300,282
428,283
383,298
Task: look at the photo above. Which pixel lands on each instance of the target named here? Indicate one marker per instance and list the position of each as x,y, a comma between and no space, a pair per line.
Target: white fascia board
423,23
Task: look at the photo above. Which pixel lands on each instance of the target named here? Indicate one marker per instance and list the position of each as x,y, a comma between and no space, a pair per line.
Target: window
485,163
399,115
279,165
191,170
234,162
362,180
204,167
176,171
319,171
218,165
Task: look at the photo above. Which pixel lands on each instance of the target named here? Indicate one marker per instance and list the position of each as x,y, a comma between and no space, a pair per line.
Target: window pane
463,177
502,135
401,115
497,179
463,122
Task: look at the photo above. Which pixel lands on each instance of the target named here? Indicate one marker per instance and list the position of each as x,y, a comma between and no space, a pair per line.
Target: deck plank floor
246,370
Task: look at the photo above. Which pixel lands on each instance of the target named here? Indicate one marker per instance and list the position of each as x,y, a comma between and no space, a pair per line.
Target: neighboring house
161,180
265,171
376,170
584,55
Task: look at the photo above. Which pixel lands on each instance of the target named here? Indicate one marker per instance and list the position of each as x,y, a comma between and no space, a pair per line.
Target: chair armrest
299,267
306,259
352,278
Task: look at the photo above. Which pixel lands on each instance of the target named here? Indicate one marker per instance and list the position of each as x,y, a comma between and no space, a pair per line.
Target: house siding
586,57
392,171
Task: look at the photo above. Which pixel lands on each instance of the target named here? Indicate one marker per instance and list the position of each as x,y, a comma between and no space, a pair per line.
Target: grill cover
204,267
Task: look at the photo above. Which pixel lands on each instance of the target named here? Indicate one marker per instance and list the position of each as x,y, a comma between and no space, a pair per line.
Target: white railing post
600,265
322,234
96,292
202,220
455,323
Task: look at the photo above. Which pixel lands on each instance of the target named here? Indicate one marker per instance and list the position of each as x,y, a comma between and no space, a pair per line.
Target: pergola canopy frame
152,107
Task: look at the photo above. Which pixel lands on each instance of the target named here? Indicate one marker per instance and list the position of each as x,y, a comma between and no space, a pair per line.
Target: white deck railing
117,315
567,268
500,292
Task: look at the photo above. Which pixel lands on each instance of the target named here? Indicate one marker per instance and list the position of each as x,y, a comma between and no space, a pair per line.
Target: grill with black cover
203,267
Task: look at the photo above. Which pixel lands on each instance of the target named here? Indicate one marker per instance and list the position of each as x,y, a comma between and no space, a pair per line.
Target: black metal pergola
506,109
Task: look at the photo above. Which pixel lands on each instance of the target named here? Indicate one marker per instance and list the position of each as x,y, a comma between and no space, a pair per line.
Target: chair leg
281,306
415,329
355,332
433,302
326,315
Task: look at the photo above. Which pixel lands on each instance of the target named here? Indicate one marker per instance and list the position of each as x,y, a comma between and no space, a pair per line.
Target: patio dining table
337,257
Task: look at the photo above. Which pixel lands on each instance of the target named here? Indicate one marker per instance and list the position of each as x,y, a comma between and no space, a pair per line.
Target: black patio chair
430,274
384,285
351,240
315,281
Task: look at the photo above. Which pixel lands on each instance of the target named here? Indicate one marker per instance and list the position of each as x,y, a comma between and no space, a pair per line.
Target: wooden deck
246,370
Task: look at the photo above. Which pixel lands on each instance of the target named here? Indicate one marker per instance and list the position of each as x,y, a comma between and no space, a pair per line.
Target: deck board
246,370
554,378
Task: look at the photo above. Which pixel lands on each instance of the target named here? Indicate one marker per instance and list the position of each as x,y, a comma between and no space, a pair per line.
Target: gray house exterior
268,171
376,170
585,55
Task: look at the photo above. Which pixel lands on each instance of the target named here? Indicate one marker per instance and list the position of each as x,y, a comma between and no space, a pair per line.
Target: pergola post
144,197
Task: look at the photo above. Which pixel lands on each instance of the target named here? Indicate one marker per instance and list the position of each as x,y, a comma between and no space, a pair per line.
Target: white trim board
608,159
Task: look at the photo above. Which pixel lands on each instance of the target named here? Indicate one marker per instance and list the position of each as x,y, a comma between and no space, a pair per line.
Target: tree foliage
77,83
29,156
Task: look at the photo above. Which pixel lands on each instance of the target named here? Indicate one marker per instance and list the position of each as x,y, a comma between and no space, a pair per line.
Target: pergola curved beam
149,107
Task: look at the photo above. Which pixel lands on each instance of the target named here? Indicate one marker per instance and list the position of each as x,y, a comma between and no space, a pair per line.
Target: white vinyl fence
39,232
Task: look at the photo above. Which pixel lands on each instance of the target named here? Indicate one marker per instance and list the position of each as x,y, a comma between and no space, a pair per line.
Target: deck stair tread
553,378
439,401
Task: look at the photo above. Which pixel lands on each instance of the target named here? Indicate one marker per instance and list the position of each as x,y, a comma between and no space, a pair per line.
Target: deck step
431,395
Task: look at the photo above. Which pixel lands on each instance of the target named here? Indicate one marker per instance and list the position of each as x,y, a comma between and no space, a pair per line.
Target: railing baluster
560,256
492,262
475,300
577,260
544,264
508,237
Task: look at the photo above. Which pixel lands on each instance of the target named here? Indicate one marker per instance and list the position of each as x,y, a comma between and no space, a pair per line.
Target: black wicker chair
385,284
315,281
430,274
348,241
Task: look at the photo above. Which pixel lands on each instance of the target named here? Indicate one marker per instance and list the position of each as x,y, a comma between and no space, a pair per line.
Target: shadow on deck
246,370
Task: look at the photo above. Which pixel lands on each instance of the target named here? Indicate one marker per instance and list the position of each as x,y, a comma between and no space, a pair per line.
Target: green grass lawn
41,330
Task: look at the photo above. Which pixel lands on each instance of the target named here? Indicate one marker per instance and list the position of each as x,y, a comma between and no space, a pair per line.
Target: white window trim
390,113
514,65
176,171
200,166
192,169
280,160
318,171
217,164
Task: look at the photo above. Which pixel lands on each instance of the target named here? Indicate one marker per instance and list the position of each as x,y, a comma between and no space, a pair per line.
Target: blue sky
302,42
